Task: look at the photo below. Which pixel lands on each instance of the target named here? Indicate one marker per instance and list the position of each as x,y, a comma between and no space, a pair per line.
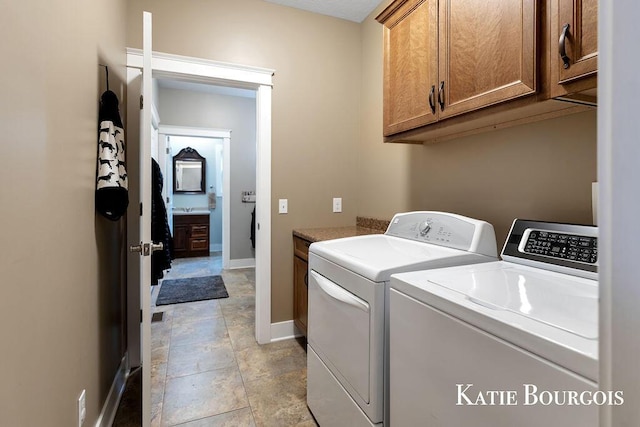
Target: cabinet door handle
562,46
432,99
441,96
306,279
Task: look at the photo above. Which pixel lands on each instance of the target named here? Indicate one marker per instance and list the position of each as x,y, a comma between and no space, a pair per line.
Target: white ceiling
352,10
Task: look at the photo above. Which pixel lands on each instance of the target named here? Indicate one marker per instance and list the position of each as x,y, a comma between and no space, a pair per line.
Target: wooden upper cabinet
487,53
454,68
574,35
443,58
410,65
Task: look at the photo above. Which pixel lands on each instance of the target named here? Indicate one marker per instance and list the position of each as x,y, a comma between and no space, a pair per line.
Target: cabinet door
410,65
180,240
487,53
579,42
300,294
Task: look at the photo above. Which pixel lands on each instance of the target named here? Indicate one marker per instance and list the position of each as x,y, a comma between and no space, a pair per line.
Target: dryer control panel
567,248
445,229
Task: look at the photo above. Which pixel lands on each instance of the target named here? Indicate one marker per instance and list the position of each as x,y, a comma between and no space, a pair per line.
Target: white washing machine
501,344
348,281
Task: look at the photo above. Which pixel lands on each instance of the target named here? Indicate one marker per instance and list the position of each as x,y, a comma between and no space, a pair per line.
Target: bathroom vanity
190,234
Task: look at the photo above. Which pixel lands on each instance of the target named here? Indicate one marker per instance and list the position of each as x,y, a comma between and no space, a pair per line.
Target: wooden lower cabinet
300,282
190,235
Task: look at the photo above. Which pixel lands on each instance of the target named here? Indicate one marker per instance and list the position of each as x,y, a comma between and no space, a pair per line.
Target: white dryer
502,344
347,330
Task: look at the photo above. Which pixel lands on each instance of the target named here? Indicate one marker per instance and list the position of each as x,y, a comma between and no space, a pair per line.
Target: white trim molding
202,70
242,263
286,330
194,131
263,215
110,407
226,203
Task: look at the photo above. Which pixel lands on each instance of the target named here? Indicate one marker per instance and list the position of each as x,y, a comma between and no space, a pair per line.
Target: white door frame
185,68
225,135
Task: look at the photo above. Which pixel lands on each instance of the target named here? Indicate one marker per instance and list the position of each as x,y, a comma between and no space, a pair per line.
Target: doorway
198,70
215,146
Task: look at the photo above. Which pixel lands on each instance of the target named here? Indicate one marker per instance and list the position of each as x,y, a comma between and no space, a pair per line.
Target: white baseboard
110,407
242,263
215,247
284,331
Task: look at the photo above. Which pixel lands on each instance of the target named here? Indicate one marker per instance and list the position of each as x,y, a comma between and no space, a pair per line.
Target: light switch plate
283,206
337,204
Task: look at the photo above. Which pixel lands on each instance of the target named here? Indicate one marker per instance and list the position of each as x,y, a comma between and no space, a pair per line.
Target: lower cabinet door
180,240
300,292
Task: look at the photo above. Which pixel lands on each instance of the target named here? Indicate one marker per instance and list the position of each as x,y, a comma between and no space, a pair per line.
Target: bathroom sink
190,211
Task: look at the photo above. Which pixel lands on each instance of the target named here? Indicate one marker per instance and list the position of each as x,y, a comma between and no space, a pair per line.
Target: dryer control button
424,228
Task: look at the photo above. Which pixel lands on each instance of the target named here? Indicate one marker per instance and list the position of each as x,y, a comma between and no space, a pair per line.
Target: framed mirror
189,172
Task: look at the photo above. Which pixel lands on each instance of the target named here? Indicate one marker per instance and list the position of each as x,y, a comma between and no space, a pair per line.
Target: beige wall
538,171
60,264
238,114
327,127
316,98
61,312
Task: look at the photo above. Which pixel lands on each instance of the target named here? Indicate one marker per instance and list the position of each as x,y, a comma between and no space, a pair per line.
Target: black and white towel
112,197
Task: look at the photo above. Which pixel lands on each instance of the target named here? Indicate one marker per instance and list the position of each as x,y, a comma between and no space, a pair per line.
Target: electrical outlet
82,408
283,206
337,204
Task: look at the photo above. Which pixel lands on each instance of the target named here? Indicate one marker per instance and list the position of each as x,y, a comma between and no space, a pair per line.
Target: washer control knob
424,228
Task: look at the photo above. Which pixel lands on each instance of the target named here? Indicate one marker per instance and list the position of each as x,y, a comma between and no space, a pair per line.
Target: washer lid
560,301
558,322
378,256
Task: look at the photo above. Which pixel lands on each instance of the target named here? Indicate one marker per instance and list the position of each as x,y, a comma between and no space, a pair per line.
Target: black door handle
562,48
432,99
441,96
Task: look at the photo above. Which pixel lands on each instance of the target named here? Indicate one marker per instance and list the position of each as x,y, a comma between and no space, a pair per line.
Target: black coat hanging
160,232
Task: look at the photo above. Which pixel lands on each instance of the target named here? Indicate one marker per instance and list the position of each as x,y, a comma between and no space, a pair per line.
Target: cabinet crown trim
390,10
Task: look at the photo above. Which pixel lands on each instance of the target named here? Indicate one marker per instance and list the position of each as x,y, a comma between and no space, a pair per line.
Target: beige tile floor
208,370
